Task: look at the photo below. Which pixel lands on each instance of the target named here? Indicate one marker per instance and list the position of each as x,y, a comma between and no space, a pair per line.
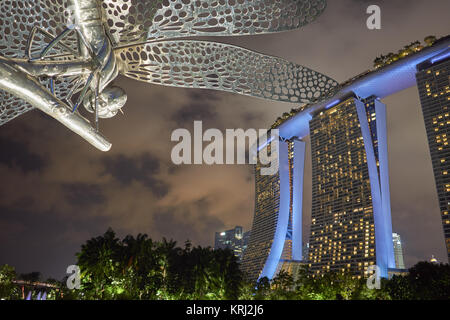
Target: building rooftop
390,74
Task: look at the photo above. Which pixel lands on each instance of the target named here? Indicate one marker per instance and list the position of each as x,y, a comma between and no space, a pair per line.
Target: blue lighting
266,143
381,83
297,199
381,221
332,104
441,57
380,112
279,237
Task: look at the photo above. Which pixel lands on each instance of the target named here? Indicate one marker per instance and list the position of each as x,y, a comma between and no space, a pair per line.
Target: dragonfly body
87,18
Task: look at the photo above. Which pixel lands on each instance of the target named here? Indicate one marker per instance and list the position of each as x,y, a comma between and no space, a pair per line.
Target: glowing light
440,57
332,104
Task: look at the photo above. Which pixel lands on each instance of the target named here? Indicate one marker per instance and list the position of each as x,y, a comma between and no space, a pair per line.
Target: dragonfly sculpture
59,55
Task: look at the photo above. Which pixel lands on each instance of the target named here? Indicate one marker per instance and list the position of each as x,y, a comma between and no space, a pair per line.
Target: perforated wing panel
18,17
211,65
133,21
12,106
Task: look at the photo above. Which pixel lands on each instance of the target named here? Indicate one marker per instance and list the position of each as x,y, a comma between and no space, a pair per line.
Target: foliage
140,268
34,276
429,281
7,288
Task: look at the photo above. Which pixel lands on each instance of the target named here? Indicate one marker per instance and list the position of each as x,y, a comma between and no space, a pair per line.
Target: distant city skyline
234,239
398,251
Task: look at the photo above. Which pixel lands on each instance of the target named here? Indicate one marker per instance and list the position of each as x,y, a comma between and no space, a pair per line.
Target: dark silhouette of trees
34,276
141,268
430,281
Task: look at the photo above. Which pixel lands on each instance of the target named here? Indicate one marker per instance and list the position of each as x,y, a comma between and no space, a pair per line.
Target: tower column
297,199
282,221
379,183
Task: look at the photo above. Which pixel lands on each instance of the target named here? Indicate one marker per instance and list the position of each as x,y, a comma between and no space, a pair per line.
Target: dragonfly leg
54,42
49,36
83,92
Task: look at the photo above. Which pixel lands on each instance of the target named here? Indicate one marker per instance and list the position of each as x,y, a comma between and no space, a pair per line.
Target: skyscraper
245,239
276,239
306,251
232,239
433,81
351,206
398,251
351,225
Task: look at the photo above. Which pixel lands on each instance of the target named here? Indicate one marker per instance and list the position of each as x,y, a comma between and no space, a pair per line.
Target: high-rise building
276,237
398,251
245,239
351,217
433,81
305,251
351,222
232,239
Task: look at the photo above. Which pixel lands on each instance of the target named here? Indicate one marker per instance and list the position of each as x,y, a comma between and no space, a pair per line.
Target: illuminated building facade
245,239
433,81
351,225
276,237
351,220
232,239
398,251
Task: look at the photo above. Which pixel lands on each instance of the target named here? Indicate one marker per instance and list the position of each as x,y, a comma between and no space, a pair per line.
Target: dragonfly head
110,101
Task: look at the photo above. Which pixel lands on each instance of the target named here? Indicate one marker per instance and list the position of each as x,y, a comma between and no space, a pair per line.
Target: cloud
143,168
200,105
192,222
83,194
16,153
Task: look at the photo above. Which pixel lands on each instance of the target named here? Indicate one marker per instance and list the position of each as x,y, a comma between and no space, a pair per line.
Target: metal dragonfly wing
82,45
212,65
135,21
17,20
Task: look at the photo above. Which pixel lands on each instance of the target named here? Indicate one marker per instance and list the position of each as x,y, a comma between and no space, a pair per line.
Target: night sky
57,191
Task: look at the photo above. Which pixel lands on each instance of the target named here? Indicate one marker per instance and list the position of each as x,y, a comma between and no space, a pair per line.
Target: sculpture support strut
29,89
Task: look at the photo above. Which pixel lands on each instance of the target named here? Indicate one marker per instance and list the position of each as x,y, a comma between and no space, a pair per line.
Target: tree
34,276
283,286
139,268
430,281
430,40
399,288
262,289
8,290
99,262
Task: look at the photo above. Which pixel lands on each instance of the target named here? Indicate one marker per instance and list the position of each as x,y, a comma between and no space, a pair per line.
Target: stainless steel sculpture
56,55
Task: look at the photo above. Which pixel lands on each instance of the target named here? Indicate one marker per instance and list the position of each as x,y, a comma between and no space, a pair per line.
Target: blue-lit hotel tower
276,237
433,80
351,216
351,213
